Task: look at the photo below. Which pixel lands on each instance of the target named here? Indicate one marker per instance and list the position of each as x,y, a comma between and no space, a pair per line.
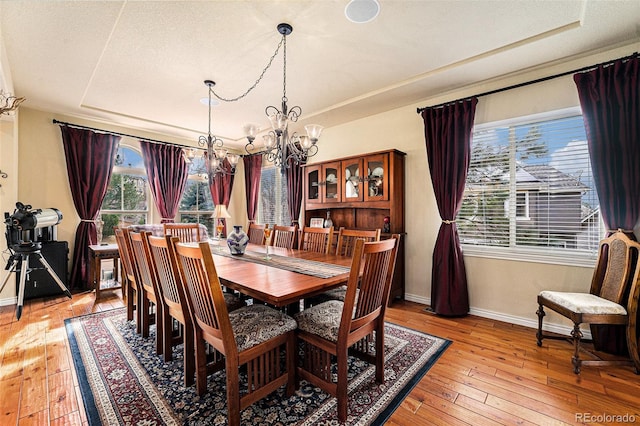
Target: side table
98,253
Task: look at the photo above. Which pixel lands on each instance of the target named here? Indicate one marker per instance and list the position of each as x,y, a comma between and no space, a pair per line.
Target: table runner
293,264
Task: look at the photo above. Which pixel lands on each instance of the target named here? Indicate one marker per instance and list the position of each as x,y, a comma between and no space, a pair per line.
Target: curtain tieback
448,222
90,220
613,231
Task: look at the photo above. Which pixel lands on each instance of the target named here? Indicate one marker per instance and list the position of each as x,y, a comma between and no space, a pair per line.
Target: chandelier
215,154
9,103
279,147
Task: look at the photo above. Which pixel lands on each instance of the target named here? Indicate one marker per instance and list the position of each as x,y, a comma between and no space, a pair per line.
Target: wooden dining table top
273,285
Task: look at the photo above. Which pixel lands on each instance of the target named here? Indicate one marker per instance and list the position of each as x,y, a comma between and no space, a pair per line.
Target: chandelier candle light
280,148
215,151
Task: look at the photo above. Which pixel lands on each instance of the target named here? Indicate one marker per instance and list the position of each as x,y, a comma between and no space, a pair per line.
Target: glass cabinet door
377,181
313,184
331,175
352,182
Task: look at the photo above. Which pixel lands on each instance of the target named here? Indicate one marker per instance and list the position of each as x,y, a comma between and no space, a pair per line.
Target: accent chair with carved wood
612,300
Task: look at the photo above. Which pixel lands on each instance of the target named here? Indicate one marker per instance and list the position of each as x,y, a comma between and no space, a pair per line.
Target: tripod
21,256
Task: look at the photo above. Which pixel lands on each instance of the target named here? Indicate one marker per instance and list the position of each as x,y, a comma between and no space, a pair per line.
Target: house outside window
127,199
196,205
273,207
530,192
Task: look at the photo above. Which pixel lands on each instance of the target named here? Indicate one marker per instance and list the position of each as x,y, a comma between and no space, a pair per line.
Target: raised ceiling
141,64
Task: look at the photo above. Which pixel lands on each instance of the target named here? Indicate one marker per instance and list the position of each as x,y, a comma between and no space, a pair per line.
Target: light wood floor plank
492,373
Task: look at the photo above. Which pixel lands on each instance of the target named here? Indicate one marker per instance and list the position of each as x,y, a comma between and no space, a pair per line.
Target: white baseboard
510,319
9,301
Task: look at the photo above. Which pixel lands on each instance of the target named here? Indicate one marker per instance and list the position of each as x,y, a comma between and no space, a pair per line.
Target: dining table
289,276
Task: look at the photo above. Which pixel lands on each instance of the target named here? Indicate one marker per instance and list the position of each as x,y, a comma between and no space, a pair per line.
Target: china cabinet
360,192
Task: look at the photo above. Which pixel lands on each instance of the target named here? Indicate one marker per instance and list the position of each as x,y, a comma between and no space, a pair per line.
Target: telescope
21,226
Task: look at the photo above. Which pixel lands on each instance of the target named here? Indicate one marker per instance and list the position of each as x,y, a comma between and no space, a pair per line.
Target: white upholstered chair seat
584,303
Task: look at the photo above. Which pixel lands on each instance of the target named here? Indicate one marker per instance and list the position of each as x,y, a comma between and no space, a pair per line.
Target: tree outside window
126,200
530,186
196,205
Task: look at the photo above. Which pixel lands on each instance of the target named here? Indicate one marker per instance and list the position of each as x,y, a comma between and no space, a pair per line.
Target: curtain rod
79,126
539,80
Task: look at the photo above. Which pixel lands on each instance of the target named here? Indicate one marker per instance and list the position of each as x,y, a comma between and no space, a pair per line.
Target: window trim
573,257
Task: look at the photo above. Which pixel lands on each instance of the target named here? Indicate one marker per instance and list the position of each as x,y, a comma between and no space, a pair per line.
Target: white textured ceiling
142,64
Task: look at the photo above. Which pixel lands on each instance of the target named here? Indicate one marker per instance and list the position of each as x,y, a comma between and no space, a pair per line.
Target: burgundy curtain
294,189
252,173
90,157
167,172
447,132
220,187
610,101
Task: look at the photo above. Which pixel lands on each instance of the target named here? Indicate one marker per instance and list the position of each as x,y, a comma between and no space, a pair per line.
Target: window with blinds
273,204
530,187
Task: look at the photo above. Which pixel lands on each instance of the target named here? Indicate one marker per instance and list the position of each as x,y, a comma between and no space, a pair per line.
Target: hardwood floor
493,372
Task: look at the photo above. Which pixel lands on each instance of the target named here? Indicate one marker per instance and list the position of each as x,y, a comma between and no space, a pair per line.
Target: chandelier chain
237,98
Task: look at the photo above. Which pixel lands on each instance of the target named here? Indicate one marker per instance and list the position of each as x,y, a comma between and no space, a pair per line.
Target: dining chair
283,236
251,339
612,300
175,306
333,329
131,292
256,233
316,239
347,239
344,247
186,232
150,293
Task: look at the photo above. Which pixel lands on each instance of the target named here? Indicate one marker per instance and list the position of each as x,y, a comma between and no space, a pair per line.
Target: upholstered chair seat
322,320
256,324
584,303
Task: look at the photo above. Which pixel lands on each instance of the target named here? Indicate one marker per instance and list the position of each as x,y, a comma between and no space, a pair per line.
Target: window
196,205
126,201
273,207
530,190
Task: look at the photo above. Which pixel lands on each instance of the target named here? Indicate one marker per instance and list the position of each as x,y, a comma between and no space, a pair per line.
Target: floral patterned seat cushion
233,302
256,324
322,320
337,293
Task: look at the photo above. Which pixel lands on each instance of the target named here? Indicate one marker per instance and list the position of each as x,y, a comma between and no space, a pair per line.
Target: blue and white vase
237,240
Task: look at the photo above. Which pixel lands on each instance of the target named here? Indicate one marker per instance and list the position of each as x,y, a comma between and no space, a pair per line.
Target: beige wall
8,189
498,288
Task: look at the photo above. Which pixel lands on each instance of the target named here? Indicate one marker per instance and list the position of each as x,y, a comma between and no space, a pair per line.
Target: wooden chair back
175,307
256,233
186,232
373,287
204,292
129,275
347,239
316,239
163,257
283,236
614,268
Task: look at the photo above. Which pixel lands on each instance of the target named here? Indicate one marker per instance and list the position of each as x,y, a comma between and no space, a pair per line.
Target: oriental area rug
124,382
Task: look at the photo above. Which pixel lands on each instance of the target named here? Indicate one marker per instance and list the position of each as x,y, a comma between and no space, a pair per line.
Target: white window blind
273,204
530,186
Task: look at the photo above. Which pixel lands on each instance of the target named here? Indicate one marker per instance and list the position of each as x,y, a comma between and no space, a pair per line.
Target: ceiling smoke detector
362,11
